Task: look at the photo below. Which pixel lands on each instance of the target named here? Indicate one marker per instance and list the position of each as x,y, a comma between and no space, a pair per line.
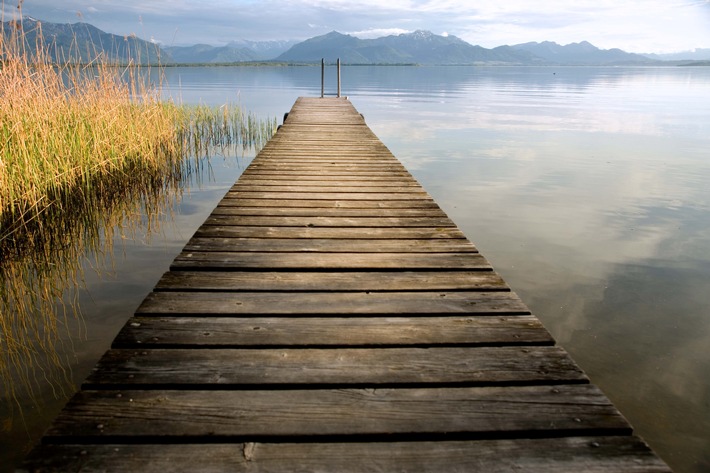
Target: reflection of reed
41,254
85,151
40,268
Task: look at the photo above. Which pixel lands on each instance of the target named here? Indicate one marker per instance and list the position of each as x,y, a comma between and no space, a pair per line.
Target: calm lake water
586,188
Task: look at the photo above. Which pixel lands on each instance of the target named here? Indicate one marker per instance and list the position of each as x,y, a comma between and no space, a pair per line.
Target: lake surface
586,188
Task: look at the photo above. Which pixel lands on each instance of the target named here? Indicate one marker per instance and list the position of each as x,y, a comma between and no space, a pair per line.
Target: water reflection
40,269
587,191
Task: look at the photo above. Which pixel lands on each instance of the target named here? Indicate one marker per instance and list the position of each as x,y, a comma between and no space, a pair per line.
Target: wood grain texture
217,260
341,281
553,455
333,303
300,204
264,211
335,366
359,222
265,194
230,231
147,332
327,413
328,245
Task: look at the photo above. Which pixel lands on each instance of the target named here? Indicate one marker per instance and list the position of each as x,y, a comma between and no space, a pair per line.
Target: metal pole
322,78
338,77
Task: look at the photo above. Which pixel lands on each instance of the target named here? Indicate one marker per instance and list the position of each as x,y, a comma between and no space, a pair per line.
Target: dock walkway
329,316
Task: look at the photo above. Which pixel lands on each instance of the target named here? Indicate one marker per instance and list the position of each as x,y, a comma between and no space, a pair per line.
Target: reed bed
84,150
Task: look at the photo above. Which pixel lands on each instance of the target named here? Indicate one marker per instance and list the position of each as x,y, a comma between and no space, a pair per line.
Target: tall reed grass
83,149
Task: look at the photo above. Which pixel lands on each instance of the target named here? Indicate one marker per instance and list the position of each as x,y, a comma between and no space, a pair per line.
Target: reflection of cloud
594,208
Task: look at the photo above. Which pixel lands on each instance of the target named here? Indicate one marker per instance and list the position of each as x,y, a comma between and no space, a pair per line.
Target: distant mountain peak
418,47
583,52
420,34
83,43
337,34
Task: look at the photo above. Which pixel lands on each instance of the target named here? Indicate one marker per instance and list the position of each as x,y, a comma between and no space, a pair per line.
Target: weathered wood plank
326,204
553,455
331,195
322,154
324,413
231,208
331,281
371,189
216,260
274,178
146,332
316,245
328,168
262,171
224,231
334,366
321,184
322,303
360,222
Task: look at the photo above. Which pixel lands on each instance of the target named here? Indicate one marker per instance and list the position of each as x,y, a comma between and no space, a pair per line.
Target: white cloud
633,25
378,32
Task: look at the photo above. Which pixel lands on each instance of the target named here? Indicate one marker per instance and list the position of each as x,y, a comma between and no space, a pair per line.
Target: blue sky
632,25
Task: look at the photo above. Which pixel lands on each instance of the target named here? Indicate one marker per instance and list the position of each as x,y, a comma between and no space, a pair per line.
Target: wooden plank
371,189
261,171
278,281
339,184
216,260
547,455
224,231
231,208
323,154
147,332
331,168
360,222
469,412
331,195
316,245
322,303
271,178
325,204
340,367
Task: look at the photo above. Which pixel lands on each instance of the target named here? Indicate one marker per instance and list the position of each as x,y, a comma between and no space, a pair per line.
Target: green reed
85,151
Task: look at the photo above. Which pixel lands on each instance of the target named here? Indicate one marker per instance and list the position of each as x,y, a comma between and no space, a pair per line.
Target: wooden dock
328,316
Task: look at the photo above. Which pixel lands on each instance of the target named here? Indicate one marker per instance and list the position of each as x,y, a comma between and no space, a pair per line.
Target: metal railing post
322,78
338,77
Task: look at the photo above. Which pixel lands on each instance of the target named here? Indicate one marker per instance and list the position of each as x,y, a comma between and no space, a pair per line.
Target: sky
642,26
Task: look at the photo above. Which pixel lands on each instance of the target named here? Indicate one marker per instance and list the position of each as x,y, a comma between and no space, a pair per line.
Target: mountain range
82,42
